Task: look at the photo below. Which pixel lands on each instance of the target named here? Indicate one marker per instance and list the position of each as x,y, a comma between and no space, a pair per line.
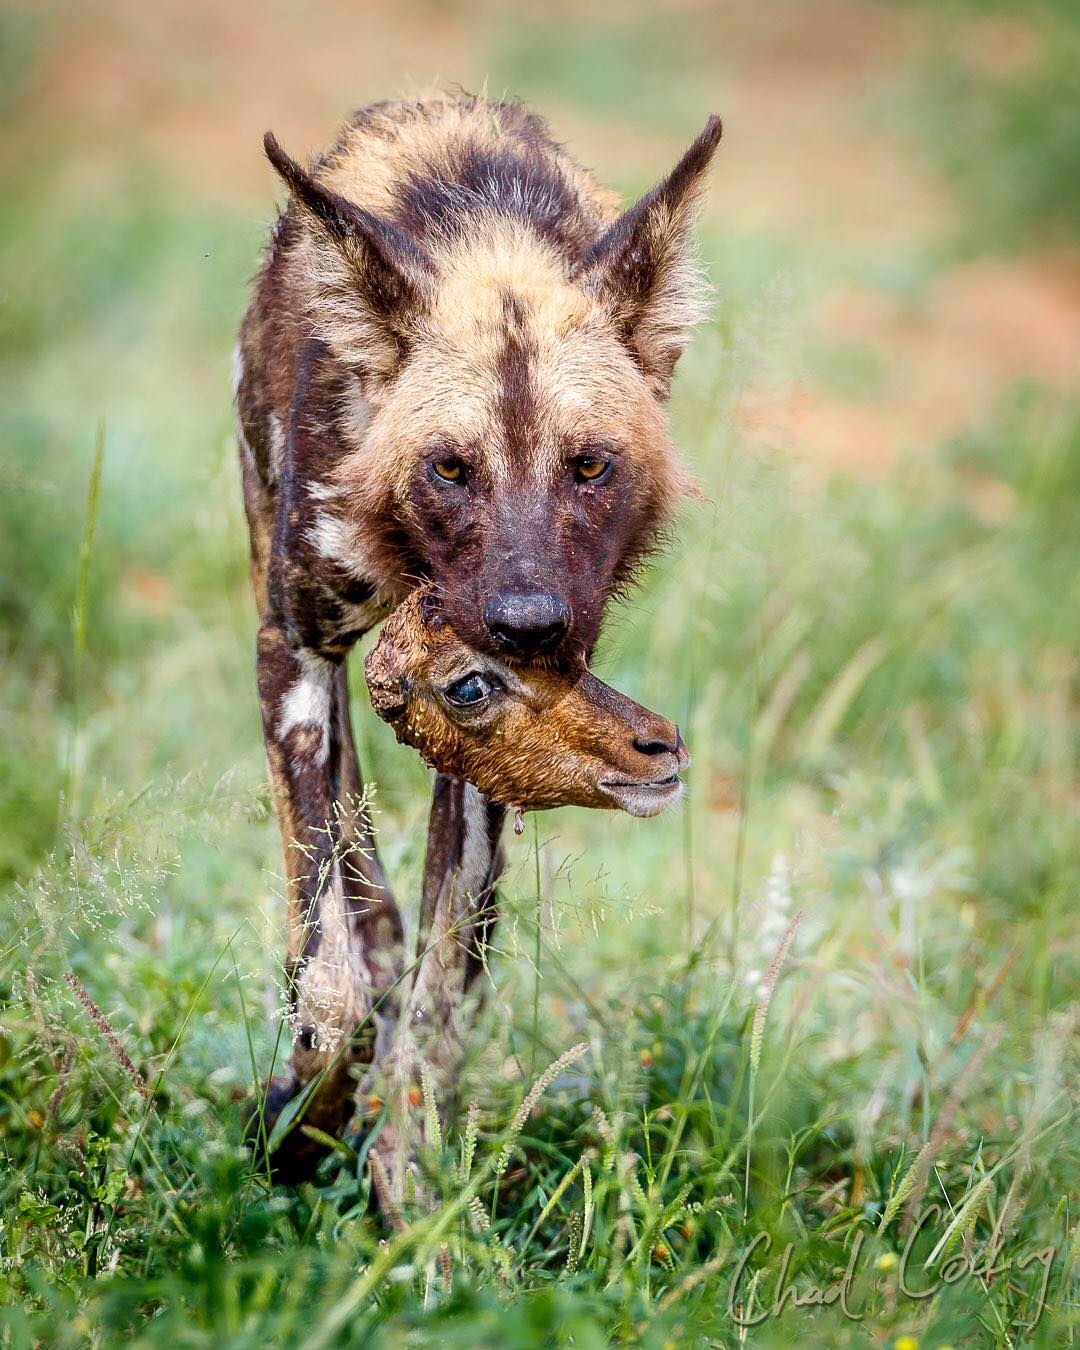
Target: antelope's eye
450,470
591,468
471,689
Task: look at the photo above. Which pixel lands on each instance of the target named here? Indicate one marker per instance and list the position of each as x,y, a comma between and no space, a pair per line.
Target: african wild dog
453,369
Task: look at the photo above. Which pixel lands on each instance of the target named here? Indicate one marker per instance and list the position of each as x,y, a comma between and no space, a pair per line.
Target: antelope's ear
387,681
644,269
371,282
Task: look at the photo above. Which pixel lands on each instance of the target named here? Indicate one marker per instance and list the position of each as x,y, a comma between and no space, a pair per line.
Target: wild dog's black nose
528,624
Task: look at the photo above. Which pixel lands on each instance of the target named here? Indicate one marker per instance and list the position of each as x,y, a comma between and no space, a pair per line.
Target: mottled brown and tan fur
452,371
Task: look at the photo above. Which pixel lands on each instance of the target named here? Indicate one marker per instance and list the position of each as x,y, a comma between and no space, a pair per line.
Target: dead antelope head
524,736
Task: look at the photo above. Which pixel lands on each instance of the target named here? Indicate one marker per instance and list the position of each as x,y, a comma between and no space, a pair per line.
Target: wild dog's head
510,379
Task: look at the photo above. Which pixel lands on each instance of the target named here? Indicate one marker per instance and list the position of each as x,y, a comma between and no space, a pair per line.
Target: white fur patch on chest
340,542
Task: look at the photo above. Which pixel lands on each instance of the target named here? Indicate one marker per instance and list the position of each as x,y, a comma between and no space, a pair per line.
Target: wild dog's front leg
463,864
344,928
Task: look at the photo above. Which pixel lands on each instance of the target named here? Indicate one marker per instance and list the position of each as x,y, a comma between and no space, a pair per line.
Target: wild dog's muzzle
527,624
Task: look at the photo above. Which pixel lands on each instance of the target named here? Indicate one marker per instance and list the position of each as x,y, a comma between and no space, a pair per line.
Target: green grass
1006,135
878,681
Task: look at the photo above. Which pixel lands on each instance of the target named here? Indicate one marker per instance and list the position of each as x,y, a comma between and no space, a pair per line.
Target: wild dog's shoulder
264,365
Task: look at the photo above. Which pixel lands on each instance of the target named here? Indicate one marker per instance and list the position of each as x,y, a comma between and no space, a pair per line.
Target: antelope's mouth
644,799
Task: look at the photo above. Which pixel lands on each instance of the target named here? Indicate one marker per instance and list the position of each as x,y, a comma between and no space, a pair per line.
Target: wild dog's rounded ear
364,309
644,267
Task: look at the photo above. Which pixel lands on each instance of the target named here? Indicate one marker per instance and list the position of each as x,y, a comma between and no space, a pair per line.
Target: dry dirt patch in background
945,359
192,87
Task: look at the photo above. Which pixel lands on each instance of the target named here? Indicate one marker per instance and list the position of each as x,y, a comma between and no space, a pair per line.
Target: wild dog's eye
450,470
590,468
471,689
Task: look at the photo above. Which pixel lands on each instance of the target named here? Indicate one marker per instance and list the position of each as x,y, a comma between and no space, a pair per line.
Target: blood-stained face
532,499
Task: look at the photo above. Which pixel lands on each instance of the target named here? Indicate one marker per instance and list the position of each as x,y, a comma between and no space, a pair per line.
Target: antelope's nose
664,739
528,624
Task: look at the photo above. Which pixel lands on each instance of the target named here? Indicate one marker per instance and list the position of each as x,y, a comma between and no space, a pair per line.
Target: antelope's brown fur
542,738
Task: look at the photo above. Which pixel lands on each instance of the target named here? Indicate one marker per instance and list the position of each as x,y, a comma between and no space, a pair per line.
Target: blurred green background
868,630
